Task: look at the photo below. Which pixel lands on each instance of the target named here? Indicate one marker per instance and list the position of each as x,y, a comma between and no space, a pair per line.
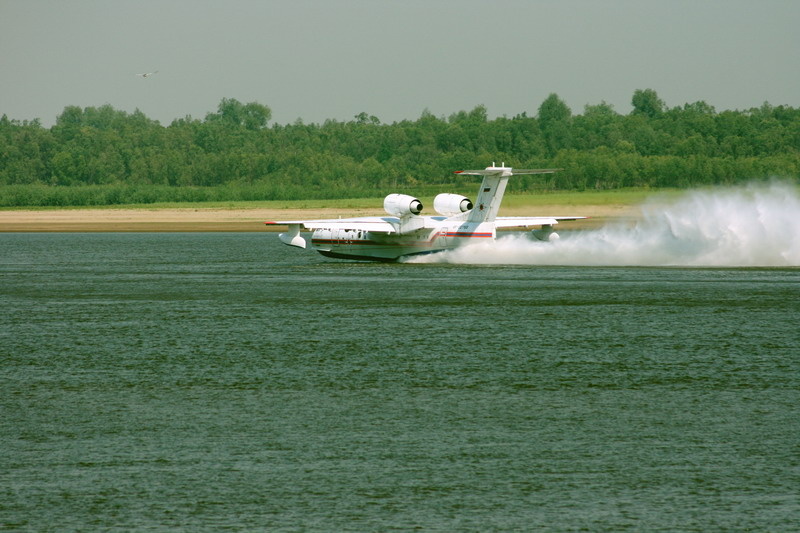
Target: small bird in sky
147,74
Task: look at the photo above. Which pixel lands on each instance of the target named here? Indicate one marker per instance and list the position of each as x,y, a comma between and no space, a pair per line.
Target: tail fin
493,188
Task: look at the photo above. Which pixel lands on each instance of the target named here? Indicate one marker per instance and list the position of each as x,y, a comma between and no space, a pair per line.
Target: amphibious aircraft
405,232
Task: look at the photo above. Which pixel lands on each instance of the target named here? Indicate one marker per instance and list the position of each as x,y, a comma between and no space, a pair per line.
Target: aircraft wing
373,224
524,222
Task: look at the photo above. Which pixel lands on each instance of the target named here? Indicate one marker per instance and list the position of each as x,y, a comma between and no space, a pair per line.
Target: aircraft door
342,239
441,238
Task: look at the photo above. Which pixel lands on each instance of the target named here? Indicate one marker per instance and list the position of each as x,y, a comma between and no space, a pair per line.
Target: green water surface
226,382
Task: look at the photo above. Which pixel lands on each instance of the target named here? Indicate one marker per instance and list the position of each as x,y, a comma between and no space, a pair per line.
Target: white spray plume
757,225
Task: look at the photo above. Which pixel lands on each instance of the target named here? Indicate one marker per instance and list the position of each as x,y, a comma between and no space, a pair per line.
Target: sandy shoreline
220,219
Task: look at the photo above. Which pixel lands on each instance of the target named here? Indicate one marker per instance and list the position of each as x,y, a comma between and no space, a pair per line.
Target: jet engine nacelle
451,204
401,205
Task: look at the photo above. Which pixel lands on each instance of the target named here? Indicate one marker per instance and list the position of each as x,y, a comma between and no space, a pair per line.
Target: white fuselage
437,236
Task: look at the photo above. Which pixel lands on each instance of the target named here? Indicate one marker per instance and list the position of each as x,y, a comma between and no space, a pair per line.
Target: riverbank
239,219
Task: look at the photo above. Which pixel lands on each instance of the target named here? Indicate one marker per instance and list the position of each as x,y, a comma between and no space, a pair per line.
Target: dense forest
104,156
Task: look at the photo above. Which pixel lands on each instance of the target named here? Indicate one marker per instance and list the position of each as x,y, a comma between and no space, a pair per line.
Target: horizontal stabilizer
507,171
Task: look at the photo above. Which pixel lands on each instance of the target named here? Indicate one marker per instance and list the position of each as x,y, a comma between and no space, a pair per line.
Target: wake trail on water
755,225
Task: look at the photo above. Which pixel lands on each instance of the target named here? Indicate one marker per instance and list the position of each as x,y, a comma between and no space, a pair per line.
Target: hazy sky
323,59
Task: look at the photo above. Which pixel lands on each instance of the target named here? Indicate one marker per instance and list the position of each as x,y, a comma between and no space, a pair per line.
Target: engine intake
401,205
451,204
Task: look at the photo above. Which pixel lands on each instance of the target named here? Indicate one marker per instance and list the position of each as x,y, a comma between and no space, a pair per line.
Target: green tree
554,120
98,155
553,110
232,112
646,102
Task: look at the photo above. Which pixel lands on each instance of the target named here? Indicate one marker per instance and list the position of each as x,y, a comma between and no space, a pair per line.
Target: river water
224,381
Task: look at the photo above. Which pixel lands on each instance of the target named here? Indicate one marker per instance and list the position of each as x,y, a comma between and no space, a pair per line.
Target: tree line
103,156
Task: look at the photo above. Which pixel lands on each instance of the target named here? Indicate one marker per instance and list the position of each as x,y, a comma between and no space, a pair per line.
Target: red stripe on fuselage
459,234
467,234
342,242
